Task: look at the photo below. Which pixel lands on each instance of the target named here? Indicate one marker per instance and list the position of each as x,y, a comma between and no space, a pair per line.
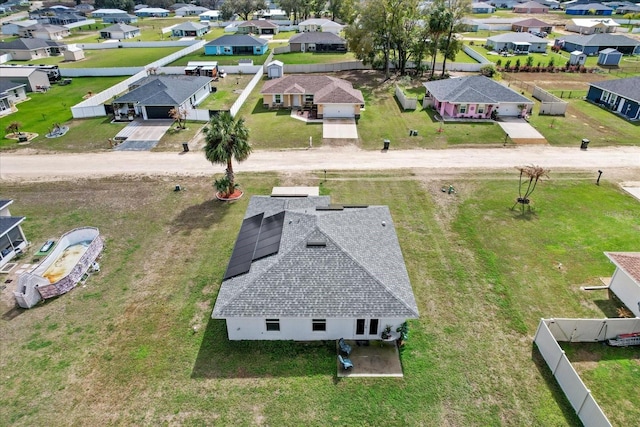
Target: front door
367,328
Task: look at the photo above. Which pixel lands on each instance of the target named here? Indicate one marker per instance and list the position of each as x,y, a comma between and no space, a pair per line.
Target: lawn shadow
201,216
597,351
608,306
219,357
558,395
12,313
260,108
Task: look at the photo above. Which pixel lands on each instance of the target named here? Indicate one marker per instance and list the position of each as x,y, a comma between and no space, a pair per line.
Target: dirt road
25,166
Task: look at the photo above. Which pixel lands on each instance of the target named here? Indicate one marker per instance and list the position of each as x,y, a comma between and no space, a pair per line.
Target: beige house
44,32
27,49
32,78
592,26
327,97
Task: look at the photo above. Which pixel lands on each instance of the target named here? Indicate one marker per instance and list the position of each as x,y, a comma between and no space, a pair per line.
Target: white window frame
480,108
463,108
322,323
274,324
277,98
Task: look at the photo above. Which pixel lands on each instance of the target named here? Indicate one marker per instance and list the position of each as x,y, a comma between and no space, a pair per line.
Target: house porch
373,359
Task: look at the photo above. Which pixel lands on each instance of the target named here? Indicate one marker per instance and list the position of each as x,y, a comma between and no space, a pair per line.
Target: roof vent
316,243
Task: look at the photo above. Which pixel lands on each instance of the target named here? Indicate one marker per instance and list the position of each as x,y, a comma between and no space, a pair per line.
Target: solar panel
244,248
270,235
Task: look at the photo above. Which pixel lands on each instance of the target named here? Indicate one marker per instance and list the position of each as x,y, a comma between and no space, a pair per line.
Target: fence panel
198,115
475,55
246,92
407,103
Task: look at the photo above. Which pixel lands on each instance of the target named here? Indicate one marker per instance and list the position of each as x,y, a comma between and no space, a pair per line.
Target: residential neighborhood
270,212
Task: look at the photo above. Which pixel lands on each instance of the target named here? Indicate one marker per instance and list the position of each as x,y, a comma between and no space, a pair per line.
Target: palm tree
226,139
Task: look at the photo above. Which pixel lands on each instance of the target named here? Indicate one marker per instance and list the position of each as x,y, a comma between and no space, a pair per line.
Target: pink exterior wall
447,109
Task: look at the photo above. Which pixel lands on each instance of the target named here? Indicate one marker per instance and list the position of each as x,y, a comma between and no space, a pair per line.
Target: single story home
609,56
621,96
210,15
119,32
32,78
532,25
191,10
589,9
320,25
272,14
625,282
530,7
592,26
152,12
490,24
10,94
592,44
29,49
66,18
628,9
518,43
306,270
189,29
481,7
44,32
84,8
236,44
329,97
12,239
257,26
476,97
153,96
317,42
11,28
124,18
101,13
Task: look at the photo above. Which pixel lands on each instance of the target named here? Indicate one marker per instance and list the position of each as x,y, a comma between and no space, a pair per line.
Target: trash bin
386,144
185,147
23,139
584,144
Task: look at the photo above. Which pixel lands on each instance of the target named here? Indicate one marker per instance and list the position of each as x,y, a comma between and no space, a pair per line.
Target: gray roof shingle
164,90
237,40
472,89
30,44
325,89
360,272
120,27
603,39
317,37
9,222
517,37
628,88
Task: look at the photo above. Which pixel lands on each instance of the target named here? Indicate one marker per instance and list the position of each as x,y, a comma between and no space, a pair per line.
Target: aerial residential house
33,79
593,44
532,25
84,8
530,7
625,282
273,14
317,42
328,97
319,25
44,32
481,7
12,28
29,49
153,96
621,96
518,43
152,12
210,16
119,32
189,29
306,270
12,239
191,10
11,93
589,9
628,9
101,13
474,97
65,18
592,26
236,44
258,27
123,18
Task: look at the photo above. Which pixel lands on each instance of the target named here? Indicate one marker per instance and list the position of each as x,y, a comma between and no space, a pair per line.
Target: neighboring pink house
474,97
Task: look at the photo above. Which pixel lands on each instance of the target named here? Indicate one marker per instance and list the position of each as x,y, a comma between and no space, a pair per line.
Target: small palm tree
226,139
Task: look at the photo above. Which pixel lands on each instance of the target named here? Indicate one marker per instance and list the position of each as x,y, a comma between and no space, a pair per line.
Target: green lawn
43,110
220,59
482,275
106,58
314,57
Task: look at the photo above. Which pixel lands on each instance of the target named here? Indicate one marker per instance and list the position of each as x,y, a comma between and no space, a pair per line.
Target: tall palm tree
226,139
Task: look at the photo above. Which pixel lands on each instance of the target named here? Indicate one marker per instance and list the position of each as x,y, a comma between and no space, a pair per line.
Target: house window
480,109
308,98
373,327
462,108
277,99
319,325
273,325
360,326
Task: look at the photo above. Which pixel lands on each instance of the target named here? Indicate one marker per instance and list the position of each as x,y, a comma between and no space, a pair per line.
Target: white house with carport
12,239
518,43
189,29
592,26
625,282
119,32
306,270
153,96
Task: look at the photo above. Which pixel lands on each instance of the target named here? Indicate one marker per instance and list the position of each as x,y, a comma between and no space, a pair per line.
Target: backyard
483,276
108,58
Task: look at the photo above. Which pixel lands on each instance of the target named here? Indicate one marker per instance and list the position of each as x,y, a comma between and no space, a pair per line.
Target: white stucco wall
299,329
627,290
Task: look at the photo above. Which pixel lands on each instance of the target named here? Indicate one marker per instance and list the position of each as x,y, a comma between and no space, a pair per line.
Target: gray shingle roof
472,89
517,37
532,22
628,88
325,89
317,37
259,23
604,39
237,40
5,86
120,27
189,26
589,6
9,222
530,5
164,90
359,273
29,44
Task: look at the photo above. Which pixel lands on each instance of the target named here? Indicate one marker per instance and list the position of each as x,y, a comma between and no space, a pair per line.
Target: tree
226,139
180,116
437,25
457,9
14,127
114,4
532,174
404,30
244,8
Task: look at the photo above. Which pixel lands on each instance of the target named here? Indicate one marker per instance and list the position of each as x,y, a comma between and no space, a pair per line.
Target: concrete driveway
339,129
520,131
142,135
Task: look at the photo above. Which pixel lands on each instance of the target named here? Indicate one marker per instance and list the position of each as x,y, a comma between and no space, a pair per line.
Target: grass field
108,58
483,276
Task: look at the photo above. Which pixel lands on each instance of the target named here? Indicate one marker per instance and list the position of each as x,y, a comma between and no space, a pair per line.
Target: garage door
508,110
334,111
158,112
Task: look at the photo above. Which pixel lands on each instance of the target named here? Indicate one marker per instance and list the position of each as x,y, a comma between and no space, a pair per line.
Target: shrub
488,70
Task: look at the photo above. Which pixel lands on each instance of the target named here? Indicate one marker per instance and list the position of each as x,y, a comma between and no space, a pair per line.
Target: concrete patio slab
378,359
633,189
520,131
142,135
339,129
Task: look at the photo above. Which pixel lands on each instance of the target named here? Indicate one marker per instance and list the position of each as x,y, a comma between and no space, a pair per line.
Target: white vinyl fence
550,331
246,92
550,104
475,55
407,103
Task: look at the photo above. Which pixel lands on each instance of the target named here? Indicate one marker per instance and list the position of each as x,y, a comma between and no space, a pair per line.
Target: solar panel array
258,237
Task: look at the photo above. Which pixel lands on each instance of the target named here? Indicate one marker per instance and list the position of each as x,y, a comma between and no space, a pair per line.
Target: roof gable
326,89
629,262
260,23
485,88
164,90
517,37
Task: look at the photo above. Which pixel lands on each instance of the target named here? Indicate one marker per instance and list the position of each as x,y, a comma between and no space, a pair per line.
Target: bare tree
532,174
180,116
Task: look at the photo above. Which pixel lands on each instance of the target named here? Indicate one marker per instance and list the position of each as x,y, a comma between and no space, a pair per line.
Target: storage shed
275,69
577,58
609,57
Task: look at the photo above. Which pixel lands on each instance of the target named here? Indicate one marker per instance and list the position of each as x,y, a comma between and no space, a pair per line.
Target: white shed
73,53
625,282
577,58
275,69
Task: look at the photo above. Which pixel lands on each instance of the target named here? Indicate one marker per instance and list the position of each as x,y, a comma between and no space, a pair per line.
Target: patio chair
346,363
344,347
